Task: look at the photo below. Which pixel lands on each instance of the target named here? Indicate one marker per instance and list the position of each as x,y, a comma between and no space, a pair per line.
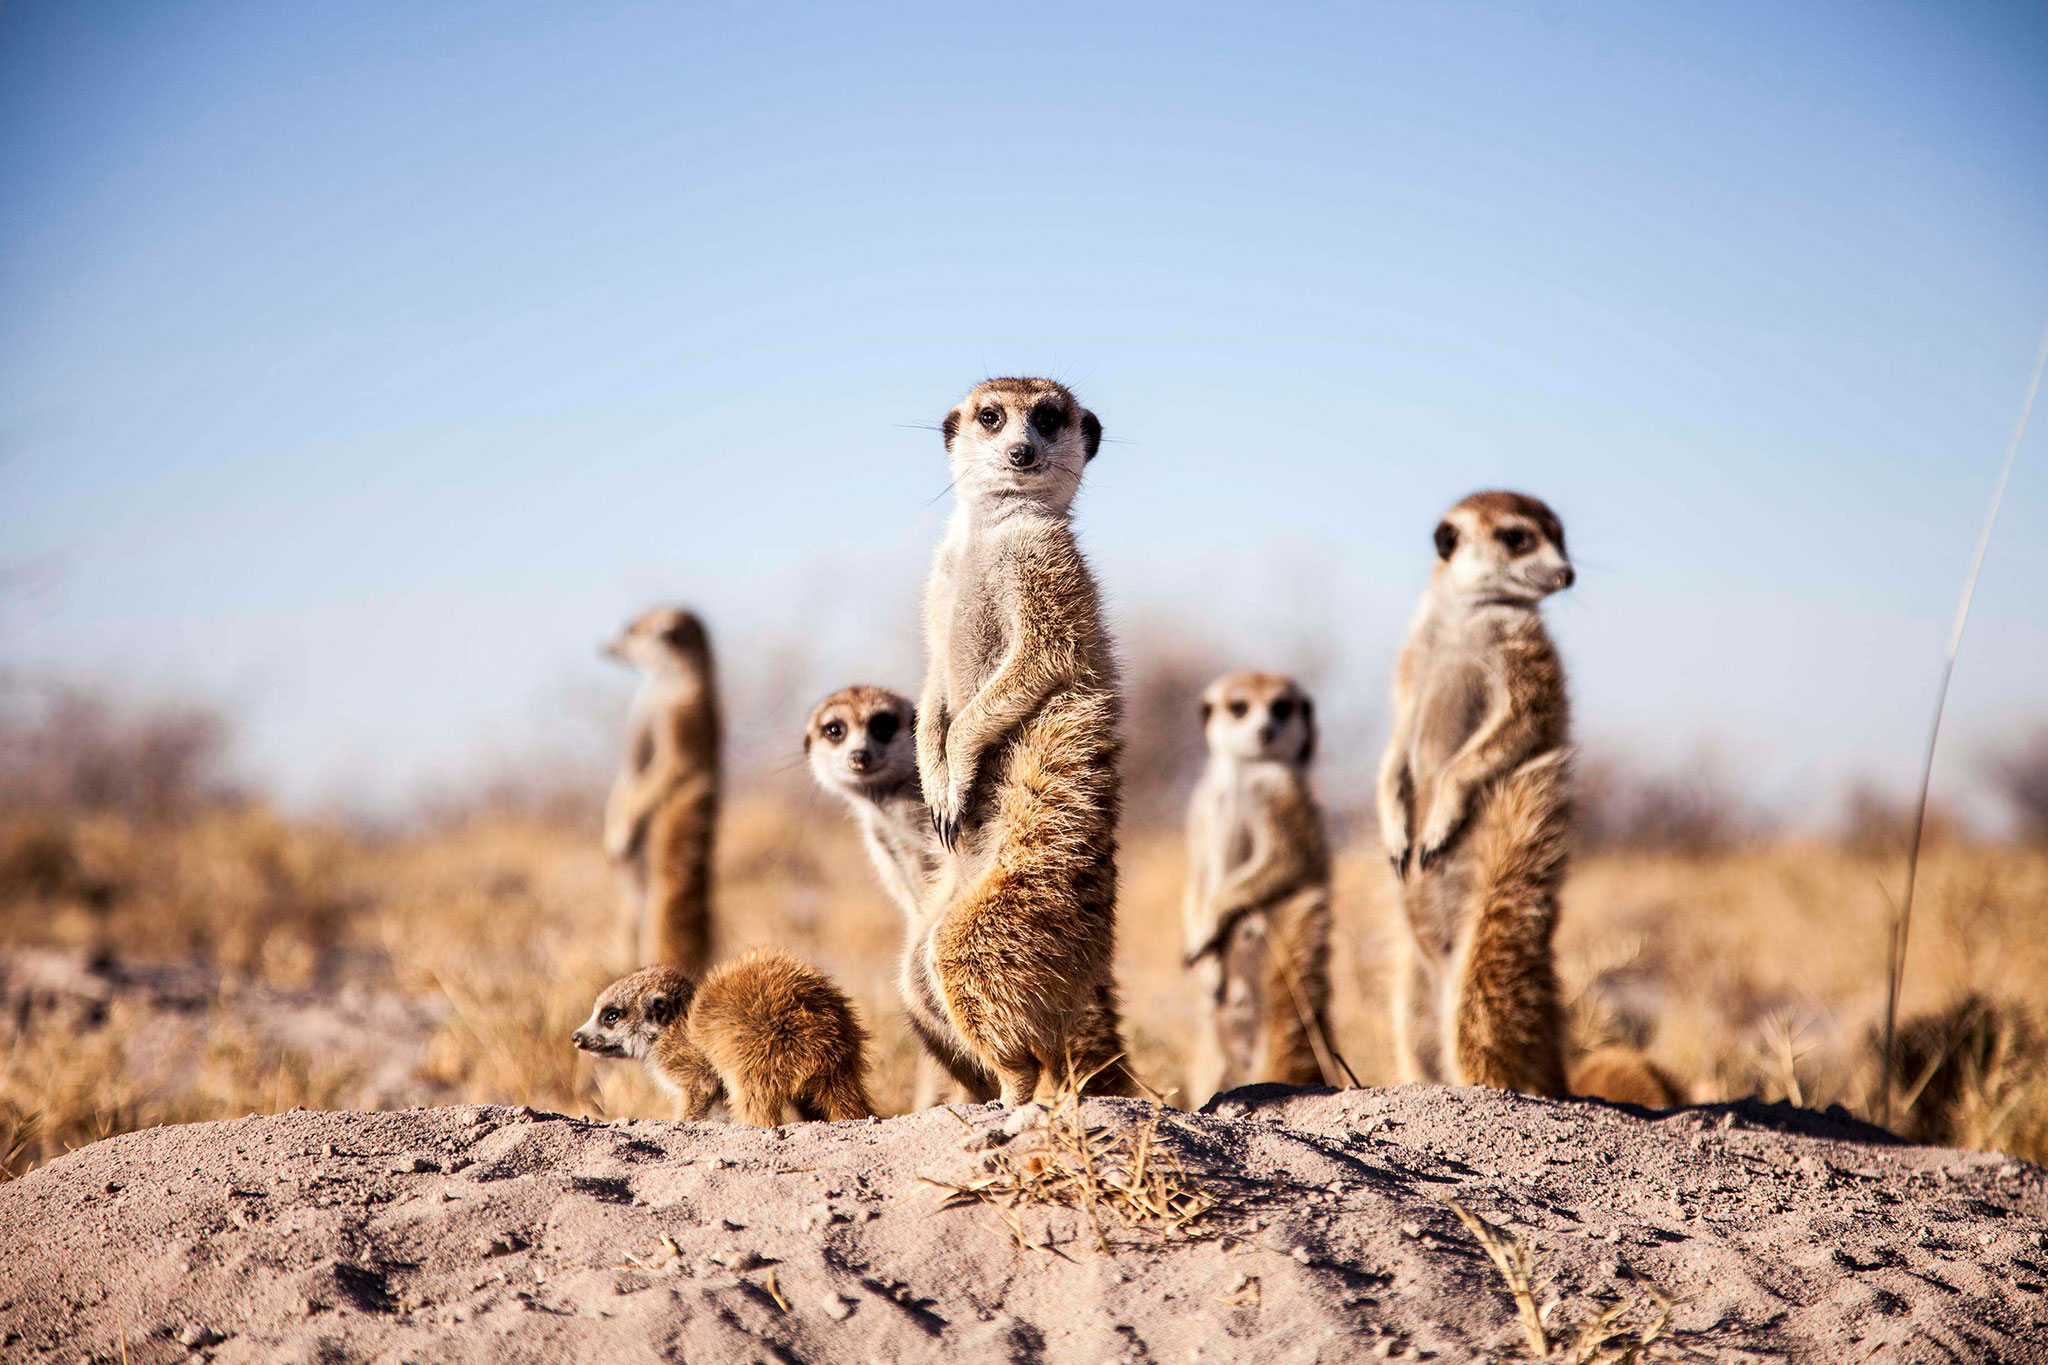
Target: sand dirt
491,1234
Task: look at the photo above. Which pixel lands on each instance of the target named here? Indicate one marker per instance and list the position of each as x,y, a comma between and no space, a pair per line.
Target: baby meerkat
1017,753
861,745
663,811
1474,803
765,1033
1257,905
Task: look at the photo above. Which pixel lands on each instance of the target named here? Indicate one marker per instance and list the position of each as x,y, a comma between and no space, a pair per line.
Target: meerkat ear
1091,435
660,1010
686,632
1446,539
1208,710
1308,724
951,427
807,741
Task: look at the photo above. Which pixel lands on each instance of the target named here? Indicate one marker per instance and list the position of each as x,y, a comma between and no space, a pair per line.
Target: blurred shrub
1692,812
2020,775
73,749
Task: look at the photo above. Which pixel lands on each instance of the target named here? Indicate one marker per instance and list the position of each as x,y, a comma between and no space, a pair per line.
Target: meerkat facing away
662,815
1257,905
1017,753
765,1033
861,746
1475,803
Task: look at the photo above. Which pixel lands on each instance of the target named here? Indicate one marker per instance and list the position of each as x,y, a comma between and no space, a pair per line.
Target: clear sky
361,366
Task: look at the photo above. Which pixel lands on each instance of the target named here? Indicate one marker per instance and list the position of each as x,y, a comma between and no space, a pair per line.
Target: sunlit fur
662,815
1256,910
1018,754
861,744
1475,803
767,1034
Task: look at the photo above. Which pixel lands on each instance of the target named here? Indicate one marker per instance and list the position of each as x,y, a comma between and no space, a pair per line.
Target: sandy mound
507,1235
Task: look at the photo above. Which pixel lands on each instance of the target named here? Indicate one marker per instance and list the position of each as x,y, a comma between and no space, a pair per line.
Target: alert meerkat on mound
765,1033
662,816
1256,909
861,745
1475,804
1017,752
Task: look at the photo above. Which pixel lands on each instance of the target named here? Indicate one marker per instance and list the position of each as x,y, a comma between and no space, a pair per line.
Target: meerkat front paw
1394,840
946,805
1445,820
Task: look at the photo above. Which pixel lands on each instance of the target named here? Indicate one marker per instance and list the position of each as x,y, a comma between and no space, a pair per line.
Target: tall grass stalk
1902,926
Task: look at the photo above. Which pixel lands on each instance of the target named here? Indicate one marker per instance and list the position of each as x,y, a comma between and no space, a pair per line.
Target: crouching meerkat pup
1017,753
663,811
1257,905
861,745
1475,803
764,1033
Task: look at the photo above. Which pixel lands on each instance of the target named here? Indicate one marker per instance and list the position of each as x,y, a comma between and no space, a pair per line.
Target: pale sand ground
494,1234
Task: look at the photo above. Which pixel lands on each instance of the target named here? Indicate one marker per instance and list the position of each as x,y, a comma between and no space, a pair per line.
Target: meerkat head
667,639
863,740
633,1011
1020,438
1502,547
1257,716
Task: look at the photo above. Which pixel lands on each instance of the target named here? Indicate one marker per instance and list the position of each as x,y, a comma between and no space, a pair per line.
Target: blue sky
360,366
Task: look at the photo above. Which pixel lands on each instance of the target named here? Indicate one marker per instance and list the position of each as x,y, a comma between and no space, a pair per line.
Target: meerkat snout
1022,456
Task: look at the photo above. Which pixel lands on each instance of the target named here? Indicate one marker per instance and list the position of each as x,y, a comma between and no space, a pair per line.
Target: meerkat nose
1022,456
1569,577
581,1039
859,760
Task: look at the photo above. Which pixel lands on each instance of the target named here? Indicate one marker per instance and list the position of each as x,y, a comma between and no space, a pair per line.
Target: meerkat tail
1296,994
1623,1075
1508,1021
676,929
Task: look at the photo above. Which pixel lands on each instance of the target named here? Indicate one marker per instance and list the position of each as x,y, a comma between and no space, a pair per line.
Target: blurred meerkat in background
1256,909
1018,751
861,744
765,1034
1475,803
662,816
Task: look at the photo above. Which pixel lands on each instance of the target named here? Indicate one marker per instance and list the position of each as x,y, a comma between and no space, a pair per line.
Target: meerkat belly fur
1257,905
765,1033
662,814
861,745
1475,803
1018,751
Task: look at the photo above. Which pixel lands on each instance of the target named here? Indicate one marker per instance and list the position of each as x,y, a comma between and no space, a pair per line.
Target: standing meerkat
861,746
1257,906
663,811
1017,752
1475,803
764,1032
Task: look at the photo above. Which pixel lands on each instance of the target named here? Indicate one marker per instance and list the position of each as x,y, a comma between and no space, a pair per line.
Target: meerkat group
989,811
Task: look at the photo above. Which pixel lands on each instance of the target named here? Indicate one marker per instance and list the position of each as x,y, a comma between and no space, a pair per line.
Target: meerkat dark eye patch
1048,419
1283,711
1516,540
1238,708
1446,540
882,727
608,1018
991,418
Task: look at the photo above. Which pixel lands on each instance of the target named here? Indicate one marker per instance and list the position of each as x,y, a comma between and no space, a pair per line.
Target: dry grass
1120,1179
1754,969
1623,1333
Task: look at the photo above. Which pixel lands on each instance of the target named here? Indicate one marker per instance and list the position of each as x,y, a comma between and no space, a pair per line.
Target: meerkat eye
608,1018
990,418
1238,708
1283,711
1517,540
834,731
1048,418
882,727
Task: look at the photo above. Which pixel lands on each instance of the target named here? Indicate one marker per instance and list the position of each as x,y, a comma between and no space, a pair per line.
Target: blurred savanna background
362,369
